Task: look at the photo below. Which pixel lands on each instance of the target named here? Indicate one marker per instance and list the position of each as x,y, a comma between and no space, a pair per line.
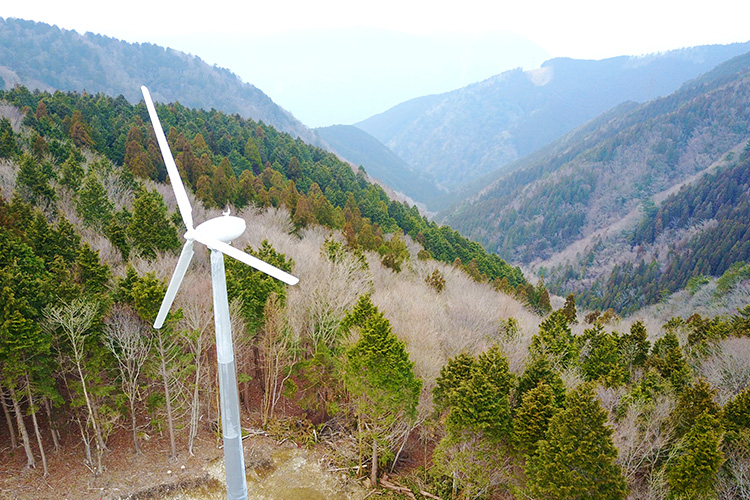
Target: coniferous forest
408,353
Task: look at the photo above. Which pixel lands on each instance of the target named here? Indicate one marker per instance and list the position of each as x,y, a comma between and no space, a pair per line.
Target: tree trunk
195,407
374,471
91,412
135,427
30,460
38,434
167,396
8,420
86,442
52,425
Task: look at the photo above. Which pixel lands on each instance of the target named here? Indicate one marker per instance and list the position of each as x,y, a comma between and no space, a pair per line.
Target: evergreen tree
254,287
33,181
93,204
539,370
569,310
253,155
533,416
600,357
71,173
150,228
481,404
555,340
691,471
576,460
696,399
634,346
667,358
380,377
736,411
452,375
8,145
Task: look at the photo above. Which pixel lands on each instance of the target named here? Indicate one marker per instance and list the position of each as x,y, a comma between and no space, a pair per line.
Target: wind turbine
216,234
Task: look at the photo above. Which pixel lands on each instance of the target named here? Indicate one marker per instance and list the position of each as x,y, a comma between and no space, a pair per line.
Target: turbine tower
216,234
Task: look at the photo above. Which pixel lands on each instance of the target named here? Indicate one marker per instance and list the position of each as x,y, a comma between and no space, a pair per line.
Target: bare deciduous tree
129,342
197,320
75,320
280,353
642,437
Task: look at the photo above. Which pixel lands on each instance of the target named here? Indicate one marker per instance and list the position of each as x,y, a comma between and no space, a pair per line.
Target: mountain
564,209
360,148
461,135
40,56
89,235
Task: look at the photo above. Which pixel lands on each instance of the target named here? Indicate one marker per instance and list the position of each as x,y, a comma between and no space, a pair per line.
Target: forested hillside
44,57
405,349
361,148
593,181
697,233
462,135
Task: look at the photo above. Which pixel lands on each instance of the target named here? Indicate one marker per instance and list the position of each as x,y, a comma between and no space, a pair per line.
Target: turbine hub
225,228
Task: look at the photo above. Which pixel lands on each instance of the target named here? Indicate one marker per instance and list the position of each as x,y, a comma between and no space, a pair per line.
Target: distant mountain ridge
40,56
361,148
585,210
461,135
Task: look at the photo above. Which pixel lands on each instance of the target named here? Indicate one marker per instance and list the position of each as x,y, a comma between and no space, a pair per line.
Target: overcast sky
340,61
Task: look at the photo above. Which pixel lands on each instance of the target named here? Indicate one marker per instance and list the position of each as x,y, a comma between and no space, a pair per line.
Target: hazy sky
340,61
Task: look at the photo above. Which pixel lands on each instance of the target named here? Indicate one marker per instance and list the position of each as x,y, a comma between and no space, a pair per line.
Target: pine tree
380,377
555,340
667,358
150,228
691,472
576,460
533,416
452,374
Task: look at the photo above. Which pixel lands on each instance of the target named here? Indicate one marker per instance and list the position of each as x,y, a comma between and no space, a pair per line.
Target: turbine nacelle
226,228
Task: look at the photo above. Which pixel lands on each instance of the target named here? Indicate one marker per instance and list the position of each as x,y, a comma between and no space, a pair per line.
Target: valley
587,282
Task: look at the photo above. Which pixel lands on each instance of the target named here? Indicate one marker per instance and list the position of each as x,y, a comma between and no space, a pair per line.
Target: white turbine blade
248,259
174,175
174,283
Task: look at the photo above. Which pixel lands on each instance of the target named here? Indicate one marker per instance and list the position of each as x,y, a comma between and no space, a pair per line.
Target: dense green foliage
576,460
230,160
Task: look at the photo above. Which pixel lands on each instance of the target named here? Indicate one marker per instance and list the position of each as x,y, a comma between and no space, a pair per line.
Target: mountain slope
40,56
361,148
594,180
461,135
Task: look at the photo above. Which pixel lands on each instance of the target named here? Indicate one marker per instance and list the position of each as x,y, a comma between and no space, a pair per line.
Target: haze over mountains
461,135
